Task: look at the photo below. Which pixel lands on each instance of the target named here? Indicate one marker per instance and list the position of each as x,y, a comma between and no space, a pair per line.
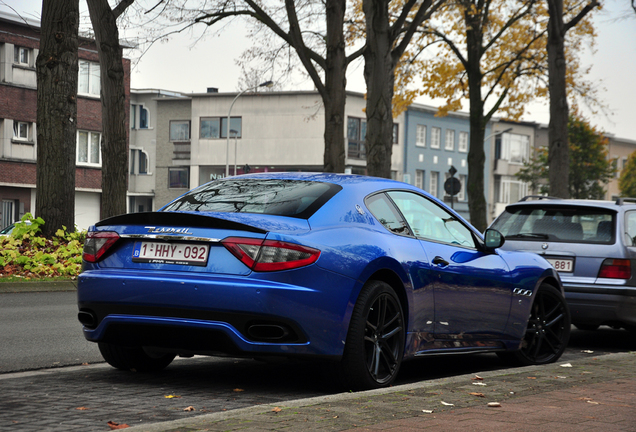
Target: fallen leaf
335,416
593,403
480,384
238,390
478,378
81,408
447,404
560,377
566,365
532,377
190,408
477,394
494,404
587,352
427,411
276,410
171,396
114,425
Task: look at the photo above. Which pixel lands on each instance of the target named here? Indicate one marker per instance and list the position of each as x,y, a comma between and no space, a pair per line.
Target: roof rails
621,201
537,197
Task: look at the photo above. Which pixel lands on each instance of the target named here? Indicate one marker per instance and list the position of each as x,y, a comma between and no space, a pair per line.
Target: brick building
19,42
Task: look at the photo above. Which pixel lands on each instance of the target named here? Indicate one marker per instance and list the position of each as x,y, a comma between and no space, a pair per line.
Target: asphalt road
40,330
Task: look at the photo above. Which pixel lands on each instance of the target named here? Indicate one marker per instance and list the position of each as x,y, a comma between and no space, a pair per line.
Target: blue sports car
362,271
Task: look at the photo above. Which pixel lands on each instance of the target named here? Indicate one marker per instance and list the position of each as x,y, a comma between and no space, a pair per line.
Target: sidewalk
594,394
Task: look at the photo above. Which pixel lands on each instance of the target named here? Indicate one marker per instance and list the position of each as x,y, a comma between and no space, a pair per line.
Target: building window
143,117
179,130
450,140
420,135
356,134
396,130
419,179
89,76
436,136
178,178
515,148
434,183
21,55
461,196
511,191
21,131
216,127
463,142
138,162
143,120
88,148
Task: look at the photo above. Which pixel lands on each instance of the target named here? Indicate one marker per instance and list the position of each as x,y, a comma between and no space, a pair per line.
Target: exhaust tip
268,332
87,318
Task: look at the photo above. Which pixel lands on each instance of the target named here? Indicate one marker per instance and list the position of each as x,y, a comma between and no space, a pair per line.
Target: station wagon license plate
563,265
171,253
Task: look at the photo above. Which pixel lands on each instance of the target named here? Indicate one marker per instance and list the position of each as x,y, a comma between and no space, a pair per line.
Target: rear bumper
220,314
601,304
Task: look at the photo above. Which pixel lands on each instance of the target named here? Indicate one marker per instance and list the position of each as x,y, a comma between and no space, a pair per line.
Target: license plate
562,265
171,253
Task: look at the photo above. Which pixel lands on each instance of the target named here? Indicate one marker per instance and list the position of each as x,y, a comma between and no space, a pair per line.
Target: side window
430,221
630,227
385,212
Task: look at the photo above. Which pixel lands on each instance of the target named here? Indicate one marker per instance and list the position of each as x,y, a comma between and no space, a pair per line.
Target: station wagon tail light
97,243
270,255
616,269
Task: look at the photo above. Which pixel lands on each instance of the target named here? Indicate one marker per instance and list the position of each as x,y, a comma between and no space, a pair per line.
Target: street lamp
227,148
497,133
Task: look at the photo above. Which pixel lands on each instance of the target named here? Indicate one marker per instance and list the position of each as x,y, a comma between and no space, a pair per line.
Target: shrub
27,254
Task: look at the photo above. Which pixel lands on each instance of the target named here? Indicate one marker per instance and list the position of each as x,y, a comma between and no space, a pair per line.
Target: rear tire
134,358
375,342
548,330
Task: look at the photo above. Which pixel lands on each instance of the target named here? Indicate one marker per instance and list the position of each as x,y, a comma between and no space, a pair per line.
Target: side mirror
493,239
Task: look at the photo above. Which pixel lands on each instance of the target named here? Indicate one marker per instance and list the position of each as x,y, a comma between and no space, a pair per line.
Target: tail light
270,255
97,243
616,269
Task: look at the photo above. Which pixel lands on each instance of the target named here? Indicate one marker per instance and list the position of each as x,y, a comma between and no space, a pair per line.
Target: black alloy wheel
375,341
548,329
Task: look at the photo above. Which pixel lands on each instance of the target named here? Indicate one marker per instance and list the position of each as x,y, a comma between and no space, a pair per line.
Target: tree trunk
57,75
559,150
334,93
113,96
477,207
379,74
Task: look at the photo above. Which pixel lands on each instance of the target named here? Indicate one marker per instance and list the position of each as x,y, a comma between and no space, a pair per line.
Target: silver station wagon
592,244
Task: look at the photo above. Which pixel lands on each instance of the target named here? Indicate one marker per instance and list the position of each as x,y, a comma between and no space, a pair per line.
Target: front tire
134,358
375,342
548,330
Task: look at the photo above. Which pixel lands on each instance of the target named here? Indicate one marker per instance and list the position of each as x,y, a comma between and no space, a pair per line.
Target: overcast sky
180,65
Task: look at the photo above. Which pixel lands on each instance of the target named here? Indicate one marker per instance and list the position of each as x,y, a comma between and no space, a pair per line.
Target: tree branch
121,7
587,9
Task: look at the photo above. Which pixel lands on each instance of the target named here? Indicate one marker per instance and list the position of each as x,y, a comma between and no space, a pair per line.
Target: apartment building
19,42
269,132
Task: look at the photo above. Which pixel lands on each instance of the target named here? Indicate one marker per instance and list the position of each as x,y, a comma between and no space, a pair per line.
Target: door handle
440,262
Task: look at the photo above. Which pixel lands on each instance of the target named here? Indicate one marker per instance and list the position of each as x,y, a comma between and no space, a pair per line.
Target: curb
17,287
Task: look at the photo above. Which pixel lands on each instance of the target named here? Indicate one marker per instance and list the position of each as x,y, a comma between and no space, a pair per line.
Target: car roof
541,201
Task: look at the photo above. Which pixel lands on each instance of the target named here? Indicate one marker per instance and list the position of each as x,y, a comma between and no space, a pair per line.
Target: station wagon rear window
292,198
566,224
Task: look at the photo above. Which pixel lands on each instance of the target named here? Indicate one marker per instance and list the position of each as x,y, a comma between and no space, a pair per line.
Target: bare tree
315,32
57,75
559,150
387,37
114,105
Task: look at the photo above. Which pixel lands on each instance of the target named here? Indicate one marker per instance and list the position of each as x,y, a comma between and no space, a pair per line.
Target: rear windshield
558,224
293,198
